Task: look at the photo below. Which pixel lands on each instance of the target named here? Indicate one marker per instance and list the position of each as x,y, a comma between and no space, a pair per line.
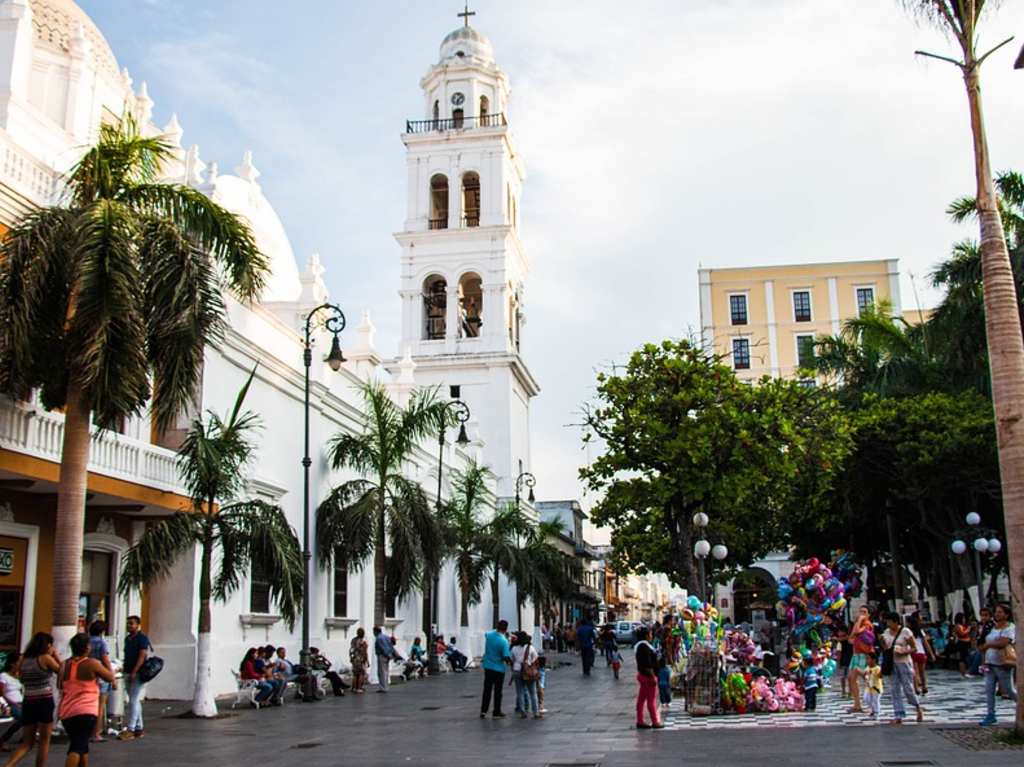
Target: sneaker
988,721
543,711
522,715
658,726
483,714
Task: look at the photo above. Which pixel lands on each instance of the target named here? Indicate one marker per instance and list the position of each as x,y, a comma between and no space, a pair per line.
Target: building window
438,202
805,351
94,598
458,118
738,309
471,199
340,588
802,305
435,308
865,300
471,296
259,591
741,353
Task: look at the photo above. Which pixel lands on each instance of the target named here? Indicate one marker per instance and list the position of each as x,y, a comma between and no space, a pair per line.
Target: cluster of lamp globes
702,548
981,544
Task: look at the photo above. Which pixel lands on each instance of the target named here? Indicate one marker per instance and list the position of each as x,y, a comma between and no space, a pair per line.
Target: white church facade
463,272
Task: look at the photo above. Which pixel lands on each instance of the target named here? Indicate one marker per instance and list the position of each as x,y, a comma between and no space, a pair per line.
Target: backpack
150,668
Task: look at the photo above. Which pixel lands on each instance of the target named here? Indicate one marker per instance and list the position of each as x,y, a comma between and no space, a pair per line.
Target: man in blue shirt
385,652
586,635
496,657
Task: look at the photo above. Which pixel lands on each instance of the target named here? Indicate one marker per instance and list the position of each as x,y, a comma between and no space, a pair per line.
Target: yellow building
763,319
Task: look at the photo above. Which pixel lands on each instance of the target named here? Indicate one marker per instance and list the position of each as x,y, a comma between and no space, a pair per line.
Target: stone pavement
436,721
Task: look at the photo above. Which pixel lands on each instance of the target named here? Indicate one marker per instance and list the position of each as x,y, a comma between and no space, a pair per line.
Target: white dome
245,198
55,24
466,43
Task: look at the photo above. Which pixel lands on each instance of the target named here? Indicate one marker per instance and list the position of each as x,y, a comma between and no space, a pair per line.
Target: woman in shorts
862,637
80,698
38,665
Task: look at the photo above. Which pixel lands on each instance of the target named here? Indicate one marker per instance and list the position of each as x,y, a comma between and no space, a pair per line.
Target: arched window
435,308
485,109
438,202
471,199
471,301
437,112
458,118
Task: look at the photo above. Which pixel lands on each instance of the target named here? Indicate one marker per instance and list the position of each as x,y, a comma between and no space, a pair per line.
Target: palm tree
540,571
106,303
959,19
212,462
501,549
880,354
466,534
383,510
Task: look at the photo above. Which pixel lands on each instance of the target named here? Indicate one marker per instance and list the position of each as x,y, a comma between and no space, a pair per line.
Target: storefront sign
6,561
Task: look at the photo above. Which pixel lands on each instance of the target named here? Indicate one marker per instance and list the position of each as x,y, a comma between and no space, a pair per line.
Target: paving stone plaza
589,722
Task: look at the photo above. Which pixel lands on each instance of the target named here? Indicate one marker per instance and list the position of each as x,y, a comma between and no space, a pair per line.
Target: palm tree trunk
74,473
519,608
1005,356
379,570
203,702
495,611
464,612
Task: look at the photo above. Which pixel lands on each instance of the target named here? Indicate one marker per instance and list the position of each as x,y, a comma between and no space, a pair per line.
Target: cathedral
463,276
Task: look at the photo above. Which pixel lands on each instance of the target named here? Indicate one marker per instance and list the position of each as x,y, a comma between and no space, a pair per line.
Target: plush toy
762,695
734,693
788,695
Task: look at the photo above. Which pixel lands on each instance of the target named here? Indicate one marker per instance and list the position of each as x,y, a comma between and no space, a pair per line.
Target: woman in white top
525,672
13,693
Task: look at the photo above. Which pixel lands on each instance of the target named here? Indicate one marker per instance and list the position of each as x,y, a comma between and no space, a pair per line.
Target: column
773,341
833,305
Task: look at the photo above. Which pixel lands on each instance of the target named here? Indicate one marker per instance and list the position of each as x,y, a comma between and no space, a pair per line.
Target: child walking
617,662
664,682
542,680
811,682
873,687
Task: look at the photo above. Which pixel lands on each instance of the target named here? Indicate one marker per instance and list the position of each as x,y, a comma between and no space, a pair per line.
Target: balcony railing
456,123
437,223
33,431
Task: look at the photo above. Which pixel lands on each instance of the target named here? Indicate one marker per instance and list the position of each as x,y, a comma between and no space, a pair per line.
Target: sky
658,137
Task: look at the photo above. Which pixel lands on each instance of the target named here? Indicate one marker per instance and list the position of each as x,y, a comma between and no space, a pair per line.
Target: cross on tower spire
466,14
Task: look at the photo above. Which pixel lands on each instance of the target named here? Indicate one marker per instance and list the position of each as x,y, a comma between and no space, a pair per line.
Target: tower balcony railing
456,123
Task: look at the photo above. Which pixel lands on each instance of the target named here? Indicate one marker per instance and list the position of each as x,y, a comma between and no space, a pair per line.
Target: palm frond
106,326
184,313
212,228
345,525
414,534
263,538
155,553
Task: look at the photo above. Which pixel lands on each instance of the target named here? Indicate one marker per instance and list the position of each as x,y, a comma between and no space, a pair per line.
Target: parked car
625,632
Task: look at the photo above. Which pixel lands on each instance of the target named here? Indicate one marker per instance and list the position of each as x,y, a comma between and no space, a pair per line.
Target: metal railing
471,219
456,123
437,223
436,328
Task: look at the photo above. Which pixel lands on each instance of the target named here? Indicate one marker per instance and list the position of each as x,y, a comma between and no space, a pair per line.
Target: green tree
541,572
501,549
466,534
680,434
106,304
959,19
383,511
248,534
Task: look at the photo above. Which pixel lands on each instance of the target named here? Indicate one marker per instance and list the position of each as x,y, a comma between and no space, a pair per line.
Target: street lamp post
702,548
334,323
461,412
525,479
984,542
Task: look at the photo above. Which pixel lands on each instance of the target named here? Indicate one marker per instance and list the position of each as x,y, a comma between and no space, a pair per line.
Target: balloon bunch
740,647
788,695
844,567
762,695
735,689
810,592
702,621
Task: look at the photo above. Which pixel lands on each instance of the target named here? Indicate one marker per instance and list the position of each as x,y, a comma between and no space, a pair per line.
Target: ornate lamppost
460,410
525,479
702,548
333,322
983,541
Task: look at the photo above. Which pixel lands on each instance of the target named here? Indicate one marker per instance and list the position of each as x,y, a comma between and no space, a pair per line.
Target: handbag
150,668
1009,655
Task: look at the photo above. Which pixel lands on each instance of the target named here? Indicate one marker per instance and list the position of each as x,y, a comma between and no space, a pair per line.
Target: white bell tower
463,265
